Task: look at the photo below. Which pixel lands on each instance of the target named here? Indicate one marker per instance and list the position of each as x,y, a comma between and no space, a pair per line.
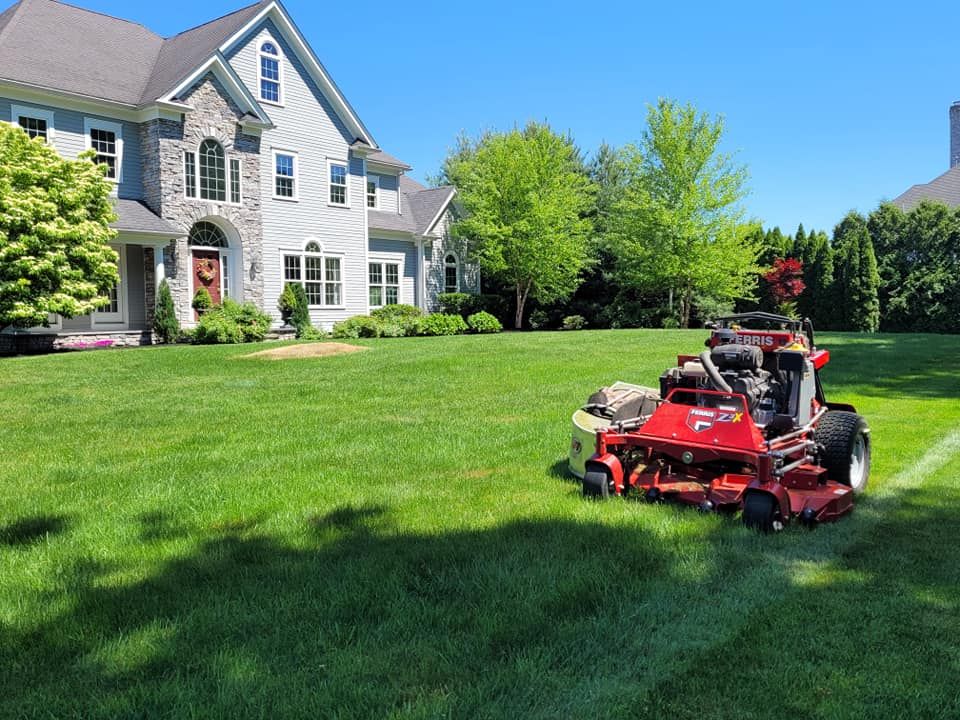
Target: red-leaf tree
785,283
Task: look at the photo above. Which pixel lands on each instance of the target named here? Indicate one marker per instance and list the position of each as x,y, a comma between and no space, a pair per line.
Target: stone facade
37,343
163,143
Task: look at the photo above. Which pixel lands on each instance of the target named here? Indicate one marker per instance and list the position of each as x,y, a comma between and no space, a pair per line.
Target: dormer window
270,79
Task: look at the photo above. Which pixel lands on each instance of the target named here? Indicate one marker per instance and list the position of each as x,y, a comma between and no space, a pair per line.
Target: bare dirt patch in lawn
306,350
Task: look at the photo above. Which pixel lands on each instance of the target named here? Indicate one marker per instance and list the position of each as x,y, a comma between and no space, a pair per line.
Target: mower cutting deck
743,426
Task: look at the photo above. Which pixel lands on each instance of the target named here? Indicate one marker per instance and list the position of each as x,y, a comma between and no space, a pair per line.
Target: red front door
206,273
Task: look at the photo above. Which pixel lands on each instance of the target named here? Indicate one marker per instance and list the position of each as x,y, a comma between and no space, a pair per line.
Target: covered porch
128,319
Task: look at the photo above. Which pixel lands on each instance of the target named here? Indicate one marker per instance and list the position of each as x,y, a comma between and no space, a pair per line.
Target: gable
274,19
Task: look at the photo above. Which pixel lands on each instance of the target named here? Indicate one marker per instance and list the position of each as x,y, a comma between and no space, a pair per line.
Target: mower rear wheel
760,512
596,485
845,440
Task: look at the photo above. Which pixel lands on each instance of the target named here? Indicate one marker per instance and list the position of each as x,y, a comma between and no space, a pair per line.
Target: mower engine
741,369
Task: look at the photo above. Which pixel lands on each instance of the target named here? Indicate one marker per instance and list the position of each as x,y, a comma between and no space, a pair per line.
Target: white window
320,275
35,122
212,163
190,173
270,72
384,284
106,140
113,313
235,181
451,274
337,175
373,191
210,169
285,175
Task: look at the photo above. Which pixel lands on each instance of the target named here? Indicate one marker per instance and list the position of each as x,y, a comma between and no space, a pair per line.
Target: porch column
421,292
159,271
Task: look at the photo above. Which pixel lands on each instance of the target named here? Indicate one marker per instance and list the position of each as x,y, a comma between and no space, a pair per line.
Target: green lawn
185,532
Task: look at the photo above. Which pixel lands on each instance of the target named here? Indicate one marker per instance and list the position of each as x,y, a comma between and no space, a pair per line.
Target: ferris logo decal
763,340
699,420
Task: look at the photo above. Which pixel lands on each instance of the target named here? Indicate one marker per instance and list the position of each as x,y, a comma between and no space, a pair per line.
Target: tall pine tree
856,280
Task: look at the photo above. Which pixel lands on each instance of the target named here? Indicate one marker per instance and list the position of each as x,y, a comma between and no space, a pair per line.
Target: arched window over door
451,274
207,234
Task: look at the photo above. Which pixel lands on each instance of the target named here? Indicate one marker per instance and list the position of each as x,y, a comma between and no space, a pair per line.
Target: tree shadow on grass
356,618
870,634
29,530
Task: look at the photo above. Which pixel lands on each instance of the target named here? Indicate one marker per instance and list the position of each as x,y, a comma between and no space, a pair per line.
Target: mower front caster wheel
597,485
761,513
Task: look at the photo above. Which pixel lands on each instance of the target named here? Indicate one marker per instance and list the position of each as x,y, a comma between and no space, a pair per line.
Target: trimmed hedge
231,322
484,322
442,324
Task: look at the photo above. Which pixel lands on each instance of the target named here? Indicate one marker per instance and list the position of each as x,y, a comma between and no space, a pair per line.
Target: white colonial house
238,166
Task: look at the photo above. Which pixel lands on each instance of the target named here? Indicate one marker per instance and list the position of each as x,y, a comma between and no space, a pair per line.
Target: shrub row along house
238,166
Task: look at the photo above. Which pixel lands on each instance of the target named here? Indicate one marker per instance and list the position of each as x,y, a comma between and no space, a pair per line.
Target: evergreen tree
816,301
856,278
888,226
165,323
801,245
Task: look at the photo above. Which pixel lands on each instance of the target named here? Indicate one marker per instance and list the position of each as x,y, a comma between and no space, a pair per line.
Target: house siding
389,192
403,253
433,259
307,125
70,141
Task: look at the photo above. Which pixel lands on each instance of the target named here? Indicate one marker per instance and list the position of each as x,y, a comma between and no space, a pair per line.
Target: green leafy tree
54,229
525,197
922,267
856,281
678,227
165,323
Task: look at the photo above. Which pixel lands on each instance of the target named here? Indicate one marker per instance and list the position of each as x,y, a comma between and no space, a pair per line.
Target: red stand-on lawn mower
743,426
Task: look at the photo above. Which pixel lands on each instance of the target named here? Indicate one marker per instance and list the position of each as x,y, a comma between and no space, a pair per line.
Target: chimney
955,134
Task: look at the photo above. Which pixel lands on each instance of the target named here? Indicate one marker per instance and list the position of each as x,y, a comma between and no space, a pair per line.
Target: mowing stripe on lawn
679,620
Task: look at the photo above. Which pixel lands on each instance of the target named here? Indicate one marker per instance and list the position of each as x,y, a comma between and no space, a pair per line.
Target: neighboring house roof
421,209
382,158
133,216
945,188
52,45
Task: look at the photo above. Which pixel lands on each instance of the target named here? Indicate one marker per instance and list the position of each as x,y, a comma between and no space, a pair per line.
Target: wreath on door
205,269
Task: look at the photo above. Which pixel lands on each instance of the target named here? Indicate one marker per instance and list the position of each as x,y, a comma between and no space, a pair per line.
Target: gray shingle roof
52,44
183,53
134,216
387,159
420,207
66,48
945,188
426,205
385,220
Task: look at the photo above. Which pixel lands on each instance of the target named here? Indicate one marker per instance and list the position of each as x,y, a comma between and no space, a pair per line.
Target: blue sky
832,105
